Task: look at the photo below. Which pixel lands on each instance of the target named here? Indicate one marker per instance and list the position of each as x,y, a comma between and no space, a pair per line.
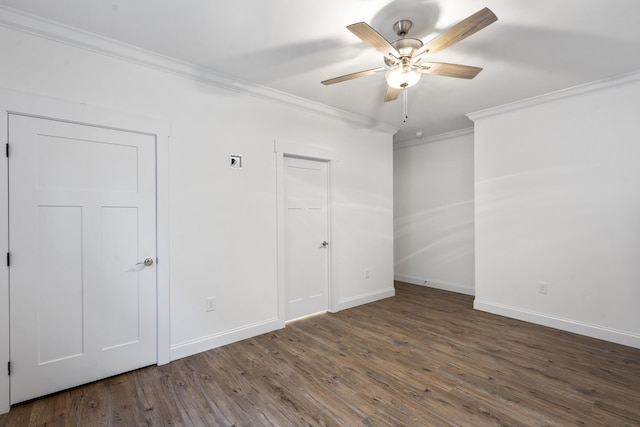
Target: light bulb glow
403,75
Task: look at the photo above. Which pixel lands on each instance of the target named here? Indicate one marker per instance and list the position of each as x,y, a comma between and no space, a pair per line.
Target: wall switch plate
542,287
211,304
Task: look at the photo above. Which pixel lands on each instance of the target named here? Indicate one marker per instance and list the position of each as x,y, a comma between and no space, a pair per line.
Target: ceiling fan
403,57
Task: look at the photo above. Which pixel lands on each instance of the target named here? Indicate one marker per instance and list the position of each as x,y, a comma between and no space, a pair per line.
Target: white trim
435,138
5,385
189,348
40,106
162,244
581,328
437,284
22,21
571,92
367,298
282,149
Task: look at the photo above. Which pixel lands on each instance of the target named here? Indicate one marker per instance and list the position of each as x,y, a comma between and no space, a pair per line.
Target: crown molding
28,23
434,138
571,92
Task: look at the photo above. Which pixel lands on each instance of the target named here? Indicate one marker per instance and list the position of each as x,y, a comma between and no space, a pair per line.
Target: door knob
324,244
147,262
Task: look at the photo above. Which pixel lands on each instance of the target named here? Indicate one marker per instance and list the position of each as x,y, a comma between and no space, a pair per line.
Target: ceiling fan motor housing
405,47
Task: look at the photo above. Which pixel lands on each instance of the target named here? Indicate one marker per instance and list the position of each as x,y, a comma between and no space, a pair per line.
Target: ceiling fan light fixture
403,75
403,57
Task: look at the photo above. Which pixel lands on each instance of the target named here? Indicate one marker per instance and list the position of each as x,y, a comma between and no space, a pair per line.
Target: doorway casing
289,149
44,107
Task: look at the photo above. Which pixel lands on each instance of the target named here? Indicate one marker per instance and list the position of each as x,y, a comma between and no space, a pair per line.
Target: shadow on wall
437,244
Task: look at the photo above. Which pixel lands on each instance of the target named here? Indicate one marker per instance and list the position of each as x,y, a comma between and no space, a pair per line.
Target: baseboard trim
189,348
576,327
346,303
437,284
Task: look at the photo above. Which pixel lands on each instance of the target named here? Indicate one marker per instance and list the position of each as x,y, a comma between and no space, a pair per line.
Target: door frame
49,108
288,149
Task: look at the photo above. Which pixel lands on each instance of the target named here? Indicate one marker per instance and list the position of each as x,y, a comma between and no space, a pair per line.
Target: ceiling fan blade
392,94
458,32
373,38
450,70
351,76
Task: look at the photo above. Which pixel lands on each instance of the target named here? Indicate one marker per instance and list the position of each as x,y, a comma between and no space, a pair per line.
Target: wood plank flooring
424,357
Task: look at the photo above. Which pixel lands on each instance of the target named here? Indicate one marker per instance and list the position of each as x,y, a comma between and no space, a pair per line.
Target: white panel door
306,237
82,215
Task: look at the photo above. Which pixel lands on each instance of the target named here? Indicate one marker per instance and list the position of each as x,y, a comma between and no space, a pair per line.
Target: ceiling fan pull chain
405,105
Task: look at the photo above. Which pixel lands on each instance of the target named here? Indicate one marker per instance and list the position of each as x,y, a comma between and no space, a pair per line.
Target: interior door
82,222
306,236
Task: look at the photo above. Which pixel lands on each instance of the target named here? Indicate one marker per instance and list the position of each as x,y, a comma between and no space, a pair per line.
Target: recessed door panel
120,280
95,165
59,283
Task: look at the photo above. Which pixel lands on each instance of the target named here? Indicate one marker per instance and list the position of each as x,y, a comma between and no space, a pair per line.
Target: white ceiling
535,47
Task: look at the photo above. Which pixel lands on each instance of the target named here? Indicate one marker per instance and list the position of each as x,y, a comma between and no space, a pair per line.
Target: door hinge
8,368
8,259
7,149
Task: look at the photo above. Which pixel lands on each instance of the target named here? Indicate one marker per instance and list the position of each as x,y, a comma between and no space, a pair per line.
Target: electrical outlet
366,273
542,287
211,304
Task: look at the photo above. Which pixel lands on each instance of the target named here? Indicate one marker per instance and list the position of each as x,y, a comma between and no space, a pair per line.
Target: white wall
558,201
223,222
433,212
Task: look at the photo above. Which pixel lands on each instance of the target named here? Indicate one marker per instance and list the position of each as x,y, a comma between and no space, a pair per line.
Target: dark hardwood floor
424,357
